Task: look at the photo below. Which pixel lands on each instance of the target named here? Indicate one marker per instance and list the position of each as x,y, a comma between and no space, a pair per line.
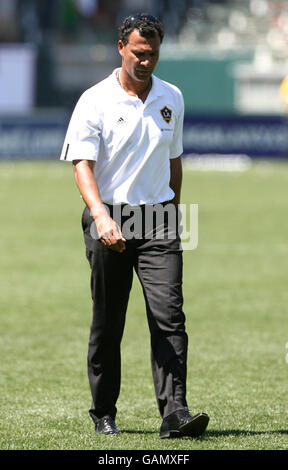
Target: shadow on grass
214,433
138,431
240,432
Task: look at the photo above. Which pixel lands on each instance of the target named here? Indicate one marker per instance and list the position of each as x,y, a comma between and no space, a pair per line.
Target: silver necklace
119,81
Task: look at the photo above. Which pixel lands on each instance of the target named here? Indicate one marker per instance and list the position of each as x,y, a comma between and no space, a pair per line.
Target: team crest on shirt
166,114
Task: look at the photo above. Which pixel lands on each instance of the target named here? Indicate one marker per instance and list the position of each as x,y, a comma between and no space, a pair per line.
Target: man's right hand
110,233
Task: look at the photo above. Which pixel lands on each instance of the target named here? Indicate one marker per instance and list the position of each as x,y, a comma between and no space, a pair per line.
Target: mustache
143,70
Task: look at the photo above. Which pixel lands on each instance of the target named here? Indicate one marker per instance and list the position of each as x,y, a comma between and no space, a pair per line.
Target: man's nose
147,61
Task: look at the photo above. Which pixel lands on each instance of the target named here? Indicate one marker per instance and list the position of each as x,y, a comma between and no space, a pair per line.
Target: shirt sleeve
176,147
82,140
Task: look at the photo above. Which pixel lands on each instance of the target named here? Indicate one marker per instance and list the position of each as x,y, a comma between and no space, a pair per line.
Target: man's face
140,55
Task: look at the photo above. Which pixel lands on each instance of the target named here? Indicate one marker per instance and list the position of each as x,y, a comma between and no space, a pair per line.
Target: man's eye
140,55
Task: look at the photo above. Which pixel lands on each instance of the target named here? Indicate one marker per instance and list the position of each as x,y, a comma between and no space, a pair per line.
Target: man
125,142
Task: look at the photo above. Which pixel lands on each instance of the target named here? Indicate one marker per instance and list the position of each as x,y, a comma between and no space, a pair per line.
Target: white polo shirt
130,141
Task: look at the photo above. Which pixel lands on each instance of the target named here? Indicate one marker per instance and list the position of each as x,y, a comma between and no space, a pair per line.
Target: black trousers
158,264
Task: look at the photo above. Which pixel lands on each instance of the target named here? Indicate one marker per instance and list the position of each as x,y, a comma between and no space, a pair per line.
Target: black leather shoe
106,425
181,423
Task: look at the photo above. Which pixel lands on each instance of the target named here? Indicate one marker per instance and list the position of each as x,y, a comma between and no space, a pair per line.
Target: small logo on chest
121,120
166,114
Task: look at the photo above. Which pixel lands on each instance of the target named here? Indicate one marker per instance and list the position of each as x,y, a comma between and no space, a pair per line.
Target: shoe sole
193,428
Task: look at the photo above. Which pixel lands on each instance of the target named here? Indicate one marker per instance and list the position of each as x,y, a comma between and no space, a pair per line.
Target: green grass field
236,297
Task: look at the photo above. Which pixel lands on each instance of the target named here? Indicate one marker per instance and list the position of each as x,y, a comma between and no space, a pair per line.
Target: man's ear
120,47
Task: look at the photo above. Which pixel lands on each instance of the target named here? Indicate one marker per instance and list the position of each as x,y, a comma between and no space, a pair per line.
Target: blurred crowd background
213,23
227,56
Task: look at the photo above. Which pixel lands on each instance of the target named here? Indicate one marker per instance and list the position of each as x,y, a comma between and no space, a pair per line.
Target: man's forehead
136,40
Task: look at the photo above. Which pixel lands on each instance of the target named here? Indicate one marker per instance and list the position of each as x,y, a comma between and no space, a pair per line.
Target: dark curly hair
147,25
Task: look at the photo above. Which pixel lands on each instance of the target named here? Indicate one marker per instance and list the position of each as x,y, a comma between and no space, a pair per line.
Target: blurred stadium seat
231,56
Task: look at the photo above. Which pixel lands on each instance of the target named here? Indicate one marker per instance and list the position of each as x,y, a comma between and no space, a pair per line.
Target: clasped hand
110,233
